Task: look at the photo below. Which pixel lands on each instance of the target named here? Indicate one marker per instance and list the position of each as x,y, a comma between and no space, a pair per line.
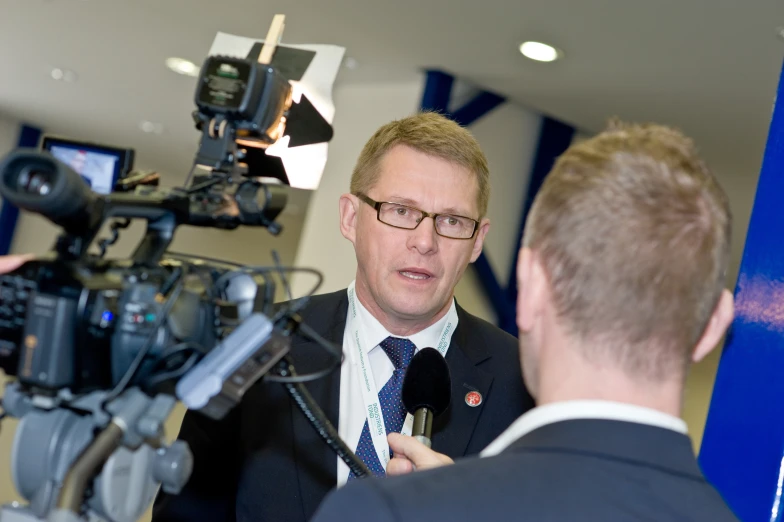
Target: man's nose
424,237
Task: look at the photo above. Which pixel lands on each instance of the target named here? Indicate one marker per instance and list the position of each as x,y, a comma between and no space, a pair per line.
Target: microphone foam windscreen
427,383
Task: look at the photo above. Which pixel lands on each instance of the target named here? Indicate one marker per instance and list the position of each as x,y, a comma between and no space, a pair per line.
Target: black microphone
38,182
427,391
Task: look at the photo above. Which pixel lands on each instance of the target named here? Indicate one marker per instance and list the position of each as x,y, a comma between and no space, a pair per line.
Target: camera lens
38,182
33,180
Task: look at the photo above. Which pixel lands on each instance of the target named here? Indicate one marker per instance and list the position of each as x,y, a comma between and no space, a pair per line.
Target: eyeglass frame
377,207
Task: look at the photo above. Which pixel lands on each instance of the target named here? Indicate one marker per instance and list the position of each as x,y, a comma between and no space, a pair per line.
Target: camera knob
173,467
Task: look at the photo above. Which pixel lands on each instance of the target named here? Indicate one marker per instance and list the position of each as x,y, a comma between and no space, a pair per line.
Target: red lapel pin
473,399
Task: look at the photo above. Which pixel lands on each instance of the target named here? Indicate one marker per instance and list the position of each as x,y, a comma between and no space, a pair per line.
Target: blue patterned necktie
400,352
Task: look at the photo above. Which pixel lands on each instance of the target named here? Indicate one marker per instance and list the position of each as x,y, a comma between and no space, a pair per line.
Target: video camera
100,348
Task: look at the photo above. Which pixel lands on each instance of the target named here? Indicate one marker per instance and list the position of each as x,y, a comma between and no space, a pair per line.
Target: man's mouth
416,274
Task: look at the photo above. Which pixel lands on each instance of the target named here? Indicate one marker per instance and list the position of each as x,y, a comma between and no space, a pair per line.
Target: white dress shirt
585,409
352,413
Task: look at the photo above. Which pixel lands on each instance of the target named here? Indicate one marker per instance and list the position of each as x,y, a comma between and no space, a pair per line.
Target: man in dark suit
416,217
621,279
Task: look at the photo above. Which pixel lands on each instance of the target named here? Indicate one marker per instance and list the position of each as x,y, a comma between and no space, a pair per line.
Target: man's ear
717,326
531,289
479,240
349,207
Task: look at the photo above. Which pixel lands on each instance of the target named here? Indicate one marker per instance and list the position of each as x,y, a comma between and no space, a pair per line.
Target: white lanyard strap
360,349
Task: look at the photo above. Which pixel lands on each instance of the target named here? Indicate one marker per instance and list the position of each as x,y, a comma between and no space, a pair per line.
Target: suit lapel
316,463
464,354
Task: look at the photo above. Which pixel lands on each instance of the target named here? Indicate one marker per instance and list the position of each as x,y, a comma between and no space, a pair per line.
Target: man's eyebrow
403,201
456,211
411,203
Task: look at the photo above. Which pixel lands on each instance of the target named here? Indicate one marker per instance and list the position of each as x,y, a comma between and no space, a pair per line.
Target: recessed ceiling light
541,52
182,66
350,63
63,75
151,127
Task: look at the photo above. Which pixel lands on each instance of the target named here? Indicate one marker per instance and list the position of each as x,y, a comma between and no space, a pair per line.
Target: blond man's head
432,134
633,233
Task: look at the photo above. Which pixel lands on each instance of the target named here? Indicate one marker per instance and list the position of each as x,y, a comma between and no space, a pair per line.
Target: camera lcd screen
98,165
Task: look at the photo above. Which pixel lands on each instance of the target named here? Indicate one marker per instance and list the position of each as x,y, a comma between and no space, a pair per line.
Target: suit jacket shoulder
592,470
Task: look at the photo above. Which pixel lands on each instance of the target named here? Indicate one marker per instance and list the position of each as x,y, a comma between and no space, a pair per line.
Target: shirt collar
583,409
375,332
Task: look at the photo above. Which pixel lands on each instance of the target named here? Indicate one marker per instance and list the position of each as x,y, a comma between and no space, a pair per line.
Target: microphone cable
301,396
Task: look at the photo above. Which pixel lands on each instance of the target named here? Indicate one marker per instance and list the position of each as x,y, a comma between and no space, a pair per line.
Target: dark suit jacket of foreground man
585,470
264,462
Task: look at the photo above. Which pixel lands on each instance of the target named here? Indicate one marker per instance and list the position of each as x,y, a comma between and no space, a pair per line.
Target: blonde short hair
430,133
634,233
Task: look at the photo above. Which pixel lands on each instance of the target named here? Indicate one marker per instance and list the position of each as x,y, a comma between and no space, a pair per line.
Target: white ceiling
708,66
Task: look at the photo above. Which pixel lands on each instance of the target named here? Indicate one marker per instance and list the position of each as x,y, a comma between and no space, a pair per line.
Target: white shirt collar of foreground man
581,409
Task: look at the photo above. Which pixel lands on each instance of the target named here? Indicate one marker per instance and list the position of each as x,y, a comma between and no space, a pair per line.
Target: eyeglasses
402,216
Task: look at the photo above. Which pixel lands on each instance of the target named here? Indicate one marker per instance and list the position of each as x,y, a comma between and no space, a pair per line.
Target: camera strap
359,349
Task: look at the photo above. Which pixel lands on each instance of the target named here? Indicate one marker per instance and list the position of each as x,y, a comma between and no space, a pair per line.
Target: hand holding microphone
426,393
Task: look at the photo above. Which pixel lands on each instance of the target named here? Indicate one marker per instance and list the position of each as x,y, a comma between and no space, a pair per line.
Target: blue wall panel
742,451
554,138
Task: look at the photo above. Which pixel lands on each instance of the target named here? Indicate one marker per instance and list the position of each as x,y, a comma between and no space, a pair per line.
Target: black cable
279,267
261,270
116,226
162,377
180,348
130,373
319,421
293,308
210,182
170,281
295,305
208,259
162,365
190,175
332,349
